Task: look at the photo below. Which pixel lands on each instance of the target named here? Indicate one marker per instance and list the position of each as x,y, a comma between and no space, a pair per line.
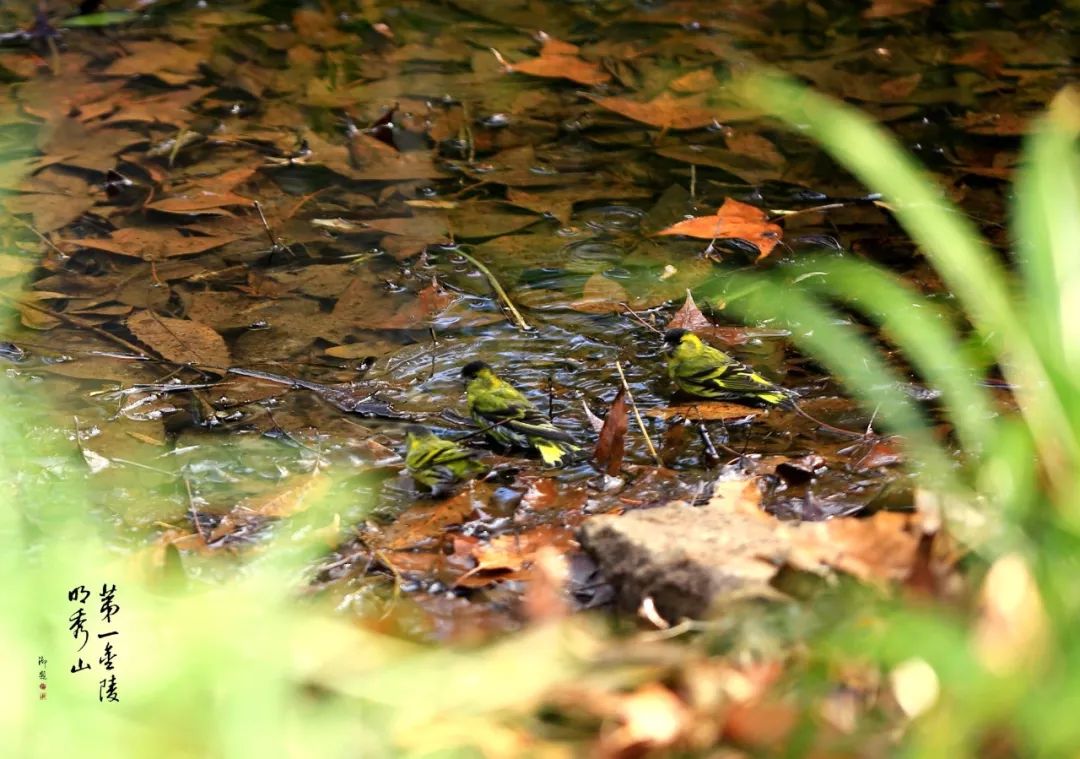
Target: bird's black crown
473,368
673,336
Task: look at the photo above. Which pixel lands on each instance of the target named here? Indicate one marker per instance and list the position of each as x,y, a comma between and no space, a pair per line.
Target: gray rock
685,558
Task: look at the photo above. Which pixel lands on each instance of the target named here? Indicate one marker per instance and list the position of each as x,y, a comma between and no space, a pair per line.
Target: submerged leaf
180,340
149,243
559,60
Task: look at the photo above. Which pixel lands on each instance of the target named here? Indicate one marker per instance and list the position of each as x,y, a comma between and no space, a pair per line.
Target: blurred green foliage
1013,497
239,667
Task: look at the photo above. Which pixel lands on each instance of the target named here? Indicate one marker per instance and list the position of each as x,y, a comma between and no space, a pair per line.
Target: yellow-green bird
438,464
510,419
703,371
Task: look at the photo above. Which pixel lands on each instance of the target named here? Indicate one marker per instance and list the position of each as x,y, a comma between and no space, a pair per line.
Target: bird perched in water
438,464
509,418
705,372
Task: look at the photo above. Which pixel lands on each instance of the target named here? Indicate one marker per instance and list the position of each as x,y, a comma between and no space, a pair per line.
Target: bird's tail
553,452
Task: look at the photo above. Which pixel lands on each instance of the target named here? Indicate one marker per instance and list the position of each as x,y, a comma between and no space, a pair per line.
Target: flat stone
691,559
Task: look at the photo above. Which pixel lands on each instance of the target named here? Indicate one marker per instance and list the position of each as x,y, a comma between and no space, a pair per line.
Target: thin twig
515,316
266,225
470,156
194,511
780,213
637,317
434,348
873,416
76,321
825,425
177,145
710,449
551,396
42,237
637,415
710,445
54,56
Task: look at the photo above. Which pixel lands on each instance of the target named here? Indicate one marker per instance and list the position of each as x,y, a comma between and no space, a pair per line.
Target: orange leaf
668,112
559,60
733,221
198,202
508,554
706,411
563,67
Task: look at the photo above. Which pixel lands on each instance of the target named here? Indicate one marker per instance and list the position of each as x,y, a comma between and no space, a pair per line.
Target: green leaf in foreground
105,18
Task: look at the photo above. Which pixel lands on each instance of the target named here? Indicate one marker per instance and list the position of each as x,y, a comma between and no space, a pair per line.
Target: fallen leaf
149,243
54,197
70,142
559,60
1000,124
733,220
169,108
702,80
546,592
611,445
365,305
544,203
762,724
180,340
480,221
886,8
199,202
423,526
296,496
366,158
982,57
173,64
748,168
755,146
689,316
705,411
601,295
668,112
901,87
506,555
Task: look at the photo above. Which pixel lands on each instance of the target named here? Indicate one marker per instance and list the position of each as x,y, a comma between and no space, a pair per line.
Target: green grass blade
1047,232
968,267
816,329
921,330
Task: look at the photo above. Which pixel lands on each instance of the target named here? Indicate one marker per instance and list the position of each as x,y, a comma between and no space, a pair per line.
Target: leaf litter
592,176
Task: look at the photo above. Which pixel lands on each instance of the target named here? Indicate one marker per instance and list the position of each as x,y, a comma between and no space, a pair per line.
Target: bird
510,419
702,371
438,464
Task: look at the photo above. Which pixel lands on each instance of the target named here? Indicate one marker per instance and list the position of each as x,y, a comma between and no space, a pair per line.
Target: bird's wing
451,452
724,374
501,403
507,405
537,425
434,452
